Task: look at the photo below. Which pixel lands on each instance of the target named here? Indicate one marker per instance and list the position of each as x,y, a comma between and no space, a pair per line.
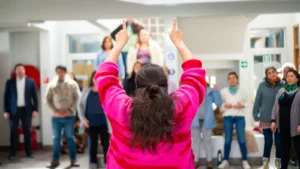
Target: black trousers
94,132
26,125
285,146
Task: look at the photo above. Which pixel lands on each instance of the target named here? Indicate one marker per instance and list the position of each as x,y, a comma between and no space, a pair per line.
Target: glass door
261,61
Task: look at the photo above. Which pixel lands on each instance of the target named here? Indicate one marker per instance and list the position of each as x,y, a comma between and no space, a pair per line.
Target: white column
170,52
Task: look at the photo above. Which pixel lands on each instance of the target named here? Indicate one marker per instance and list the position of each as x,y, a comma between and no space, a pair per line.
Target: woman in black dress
286,115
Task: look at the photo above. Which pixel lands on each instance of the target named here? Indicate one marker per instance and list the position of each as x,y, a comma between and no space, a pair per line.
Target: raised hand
176,35
122,36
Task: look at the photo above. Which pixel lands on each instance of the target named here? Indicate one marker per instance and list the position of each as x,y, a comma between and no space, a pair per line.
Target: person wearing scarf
262,112
286,116
234,101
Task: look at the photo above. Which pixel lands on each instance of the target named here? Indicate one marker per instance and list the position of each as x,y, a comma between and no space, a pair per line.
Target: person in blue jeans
62,97
234,101
262,112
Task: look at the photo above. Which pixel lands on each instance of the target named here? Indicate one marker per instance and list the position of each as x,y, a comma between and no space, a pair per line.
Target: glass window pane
267,38
153,21
83,70
153,29
84,43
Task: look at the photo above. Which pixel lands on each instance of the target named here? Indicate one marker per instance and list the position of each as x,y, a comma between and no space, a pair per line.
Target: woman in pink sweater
151,130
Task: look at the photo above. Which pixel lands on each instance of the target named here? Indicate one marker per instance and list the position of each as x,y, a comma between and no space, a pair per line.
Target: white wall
24,47
4,75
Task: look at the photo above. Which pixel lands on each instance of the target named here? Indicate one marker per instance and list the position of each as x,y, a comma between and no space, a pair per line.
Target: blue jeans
58,124
268,134
240,125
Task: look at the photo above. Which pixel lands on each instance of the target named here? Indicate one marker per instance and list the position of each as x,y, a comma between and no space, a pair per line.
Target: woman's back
118,107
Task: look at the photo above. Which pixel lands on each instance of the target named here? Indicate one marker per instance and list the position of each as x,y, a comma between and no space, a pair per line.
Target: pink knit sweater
117,105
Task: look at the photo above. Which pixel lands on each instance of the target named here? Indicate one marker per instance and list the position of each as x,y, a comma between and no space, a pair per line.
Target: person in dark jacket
20,103
262,112
286,116
130,83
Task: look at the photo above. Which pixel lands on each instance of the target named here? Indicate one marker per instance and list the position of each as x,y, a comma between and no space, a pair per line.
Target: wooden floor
42,158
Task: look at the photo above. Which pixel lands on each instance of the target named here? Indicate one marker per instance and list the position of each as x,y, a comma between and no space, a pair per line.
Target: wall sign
244,64
172,71
171,56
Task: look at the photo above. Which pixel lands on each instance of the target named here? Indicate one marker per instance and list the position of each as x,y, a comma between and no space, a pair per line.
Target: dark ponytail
153,109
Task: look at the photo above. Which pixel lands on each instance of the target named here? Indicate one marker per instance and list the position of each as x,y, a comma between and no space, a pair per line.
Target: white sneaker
265,164
277,163
246,165
224,165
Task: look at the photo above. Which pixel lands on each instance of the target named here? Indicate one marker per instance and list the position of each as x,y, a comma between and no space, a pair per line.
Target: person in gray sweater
62,98
262,112
286,115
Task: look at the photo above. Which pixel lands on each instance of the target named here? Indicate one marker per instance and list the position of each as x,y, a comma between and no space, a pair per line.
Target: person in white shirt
20,103
234,101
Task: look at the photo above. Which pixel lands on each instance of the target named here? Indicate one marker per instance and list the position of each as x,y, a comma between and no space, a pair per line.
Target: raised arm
177,39
121,40
113,98
192,89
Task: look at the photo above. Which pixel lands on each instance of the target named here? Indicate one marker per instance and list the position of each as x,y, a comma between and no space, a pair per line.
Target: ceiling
17,12
176,2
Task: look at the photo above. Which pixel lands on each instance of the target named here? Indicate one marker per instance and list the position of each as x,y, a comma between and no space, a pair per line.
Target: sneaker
53,164
295,163
74,164
246,165
265,164
209,165
277,163
224,165
30,155
93,166
11,157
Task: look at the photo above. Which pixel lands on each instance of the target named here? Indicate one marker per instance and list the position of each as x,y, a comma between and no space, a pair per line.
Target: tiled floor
42,158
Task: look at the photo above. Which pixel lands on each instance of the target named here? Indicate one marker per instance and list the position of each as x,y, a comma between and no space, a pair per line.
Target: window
156,28
83,69
212,80
267,38
84,43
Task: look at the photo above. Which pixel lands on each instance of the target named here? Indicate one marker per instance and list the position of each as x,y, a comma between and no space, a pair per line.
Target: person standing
262,112
20,103
92,116
144,51
107,45
172,87
234,101
286,116
204,123
62,98
285,68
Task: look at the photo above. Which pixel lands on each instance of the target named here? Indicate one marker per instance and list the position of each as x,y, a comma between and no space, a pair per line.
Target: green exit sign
244,64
